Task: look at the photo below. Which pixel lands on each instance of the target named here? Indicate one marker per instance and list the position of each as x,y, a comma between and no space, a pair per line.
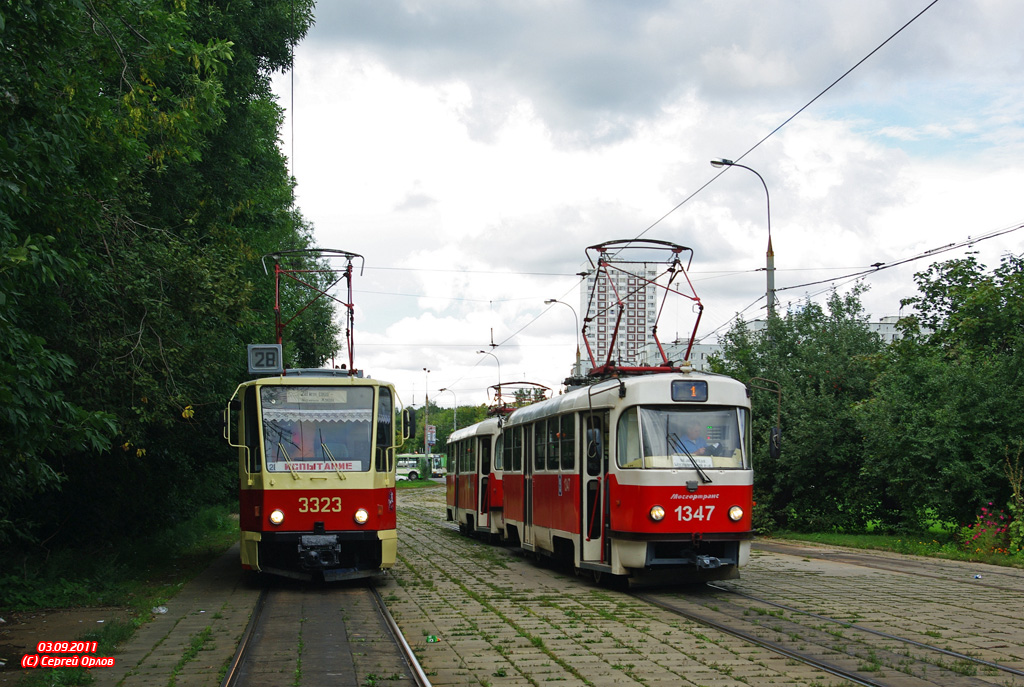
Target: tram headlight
361,516
657,513
735,513
276,516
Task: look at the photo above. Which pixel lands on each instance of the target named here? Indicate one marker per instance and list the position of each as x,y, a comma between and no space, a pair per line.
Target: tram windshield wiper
677,444
328,455
281,450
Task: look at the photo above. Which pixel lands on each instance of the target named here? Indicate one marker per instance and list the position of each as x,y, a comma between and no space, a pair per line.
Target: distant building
639,304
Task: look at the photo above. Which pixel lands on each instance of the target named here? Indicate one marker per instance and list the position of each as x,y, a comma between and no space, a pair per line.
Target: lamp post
495,360
576,367
770,255
455,408
426,413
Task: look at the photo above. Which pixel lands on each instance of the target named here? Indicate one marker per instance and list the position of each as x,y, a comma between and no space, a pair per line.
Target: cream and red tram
316,467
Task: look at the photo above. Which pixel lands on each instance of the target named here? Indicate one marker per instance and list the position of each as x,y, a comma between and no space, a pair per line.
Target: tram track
331,635
787,619
859,654
956,655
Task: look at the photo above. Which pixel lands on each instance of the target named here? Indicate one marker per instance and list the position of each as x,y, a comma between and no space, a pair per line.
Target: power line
791,118
847,278
926,254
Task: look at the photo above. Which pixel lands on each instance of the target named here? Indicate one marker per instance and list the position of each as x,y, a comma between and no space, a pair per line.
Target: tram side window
567,442
553,441
628,443
517,449
506,449
385,429
252,432
539,443
485,456
499,453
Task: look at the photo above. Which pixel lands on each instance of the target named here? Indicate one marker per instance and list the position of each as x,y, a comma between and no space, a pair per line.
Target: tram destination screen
693,392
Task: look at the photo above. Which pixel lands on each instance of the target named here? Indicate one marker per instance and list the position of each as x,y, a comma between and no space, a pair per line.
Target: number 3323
322,504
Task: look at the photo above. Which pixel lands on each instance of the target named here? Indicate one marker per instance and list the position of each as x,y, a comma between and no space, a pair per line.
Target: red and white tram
641,469
474,491
641,476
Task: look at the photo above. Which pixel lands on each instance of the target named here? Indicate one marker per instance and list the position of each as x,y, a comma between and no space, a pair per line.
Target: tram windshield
317,428
680,438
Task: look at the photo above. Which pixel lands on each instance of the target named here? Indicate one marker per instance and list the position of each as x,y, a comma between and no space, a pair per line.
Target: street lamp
576,367
495,360
770,255
455,408
426,413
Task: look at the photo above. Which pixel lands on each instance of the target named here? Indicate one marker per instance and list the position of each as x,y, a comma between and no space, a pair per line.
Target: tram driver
695,442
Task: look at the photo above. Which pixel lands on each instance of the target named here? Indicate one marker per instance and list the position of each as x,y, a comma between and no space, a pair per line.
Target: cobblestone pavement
478,614
501,619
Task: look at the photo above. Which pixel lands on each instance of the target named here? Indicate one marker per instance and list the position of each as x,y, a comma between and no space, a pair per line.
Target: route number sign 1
265,359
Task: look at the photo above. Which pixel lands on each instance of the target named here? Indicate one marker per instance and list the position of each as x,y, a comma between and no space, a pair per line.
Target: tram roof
642,389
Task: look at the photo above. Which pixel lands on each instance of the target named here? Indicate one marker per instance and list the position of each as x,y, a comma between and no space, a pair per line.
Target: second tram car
646,476
316,467
474,492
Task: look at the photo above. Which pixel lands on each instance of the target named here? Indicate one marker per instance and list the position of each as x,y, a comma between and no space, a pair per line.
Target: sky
471,151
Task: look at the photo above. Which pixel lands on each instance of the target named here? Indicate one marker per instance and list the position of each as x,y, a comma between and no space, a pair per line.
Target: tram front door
594,474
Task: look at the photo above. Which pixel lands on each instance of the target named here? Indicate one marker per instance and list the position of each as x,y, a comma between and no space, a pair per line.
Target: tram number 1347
323,504
688,513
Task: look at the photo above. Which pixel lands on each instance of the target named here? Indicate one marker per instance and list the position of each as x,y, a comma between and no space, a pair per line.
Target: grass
934,544
416,484
138,574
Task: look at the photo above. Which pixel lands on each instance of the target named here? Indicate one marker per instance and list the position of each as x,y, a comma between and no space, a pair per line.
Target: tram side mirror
234,406
775,443
408,423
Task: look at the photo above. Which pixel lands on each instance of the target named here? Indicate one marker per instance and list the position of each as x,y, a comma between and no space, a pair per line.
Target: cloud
473,150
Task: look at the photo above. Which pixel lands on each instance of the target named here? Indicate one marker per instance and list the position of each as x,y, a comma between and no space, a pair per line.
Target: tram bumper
332,555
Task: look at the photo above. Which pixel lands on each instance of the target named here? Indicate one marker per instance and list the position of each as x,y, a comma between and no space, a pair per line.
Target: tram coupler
319,551
708,562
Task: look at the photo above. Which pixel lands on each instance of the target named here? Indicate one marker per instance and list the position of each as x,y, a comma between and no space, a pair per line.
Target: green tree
824,362
140,183
944,412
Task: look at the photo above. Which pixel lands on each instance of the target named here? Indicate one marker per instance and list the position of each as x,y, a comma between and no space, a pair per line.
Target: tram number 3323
688,513
322,504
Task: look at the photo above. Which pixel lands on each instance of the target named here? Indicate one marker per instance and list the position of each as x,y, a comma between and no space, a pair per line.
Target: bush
989,533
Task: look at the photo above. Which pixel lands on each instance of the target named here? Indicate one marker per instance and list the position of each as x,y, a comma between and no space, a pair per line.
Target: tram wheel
597,576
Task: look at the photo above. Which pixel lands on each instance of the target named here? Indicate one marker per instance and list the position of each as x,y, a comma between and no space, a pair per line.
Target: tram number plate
688,513
265,359
320,504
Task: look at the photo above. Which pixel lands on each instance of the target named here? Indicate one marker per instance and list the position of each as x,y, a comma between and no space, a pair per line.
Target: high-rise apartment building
600,299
